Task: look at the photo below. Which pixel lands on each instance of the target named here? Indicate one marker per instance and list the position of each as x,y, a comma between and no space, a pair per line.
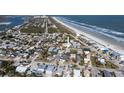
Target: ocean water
114,22
111,25
10,21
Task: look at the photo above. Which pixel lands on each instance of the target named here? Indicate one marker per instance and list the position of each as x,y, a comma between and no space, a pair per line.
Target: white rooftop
21,69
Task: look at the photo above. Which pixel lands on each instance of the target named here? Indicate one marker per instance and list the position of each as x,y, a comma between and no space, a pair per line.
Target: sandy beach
100,38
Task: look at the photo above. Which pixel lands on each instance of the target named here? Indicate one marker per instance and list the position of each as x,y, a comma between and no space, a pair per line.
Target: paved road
4,58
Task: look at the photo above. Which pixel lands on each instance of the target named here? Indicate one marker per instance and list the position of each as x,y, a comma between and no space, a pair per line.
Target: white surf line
5,23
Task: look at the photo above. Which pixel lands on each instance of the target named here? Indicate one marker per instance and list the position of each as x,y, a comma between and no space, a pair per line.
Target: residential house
87,73
49,70
21,69
59,71
76,73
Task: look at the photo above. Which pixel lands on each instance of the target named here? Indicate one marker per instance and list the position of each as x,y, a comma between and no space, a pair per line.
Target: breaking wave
108,32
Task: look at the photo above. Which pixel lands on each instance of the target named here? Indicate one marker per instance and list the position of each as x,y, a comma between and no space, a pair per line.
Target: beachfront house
104,50
115,55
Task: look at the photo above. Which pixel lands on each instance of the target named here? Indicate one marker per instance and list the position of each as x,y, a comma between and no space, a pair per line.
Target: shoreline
14,25
97,37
